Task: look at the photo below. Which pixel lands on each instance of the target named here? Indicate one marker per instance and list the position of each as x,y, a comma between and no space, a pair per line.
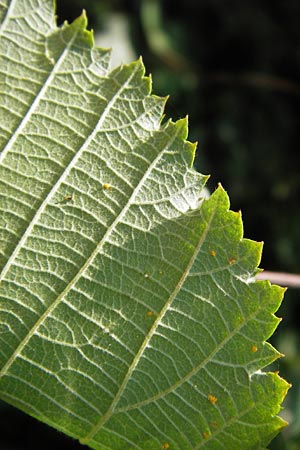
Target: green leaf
130,316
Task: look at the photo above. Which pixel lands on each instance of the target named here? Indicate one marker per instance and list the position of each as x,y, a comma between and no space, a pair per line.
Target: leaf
130,317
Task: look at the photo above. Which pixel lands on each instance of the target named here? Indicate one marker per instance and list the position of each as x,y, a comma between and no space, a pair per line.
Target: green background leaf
129,313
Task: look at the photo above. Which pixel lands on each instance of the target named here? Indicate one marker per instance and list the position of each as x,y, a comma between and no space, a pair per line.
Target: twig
284,279
259,80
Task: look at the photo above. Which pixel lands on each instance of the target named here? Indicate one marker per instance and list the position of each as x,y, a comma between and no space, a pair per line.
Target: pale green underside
129,315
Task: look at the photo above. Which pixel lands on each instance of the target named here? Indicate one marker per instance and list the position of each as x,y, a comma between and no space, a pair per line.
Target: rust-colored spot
213,253
106,186
212,399
214,424
254,348
149,313
68,198
232,260
165,445
205,434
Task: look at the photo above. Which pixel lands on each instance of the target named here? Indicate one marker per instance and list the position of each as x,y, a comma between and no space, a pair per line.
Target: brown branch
255,79
284,279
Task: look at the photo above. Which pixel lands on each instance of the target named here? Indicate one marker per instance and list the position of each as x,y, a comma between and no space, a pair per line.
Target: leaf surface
130,318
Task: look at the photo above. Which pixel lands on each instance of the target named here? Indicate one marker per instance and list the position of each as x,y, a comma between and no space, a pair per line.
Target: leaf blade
117,234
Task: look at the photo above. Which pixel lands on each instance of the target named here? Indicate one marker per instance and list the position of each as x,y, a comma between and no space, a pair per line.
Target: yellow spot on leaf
212,399
232,260
149,313
214,424
206,434
106,186
213,253
165,445
68,198
254,348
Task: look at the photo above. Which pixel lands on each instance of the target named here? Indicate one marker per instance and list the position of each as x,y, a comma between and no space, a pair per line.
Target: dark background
234,68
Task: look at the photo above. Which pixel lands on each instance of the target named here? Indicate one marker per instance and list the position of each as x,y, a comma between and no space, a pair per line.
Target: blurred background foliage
234,68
